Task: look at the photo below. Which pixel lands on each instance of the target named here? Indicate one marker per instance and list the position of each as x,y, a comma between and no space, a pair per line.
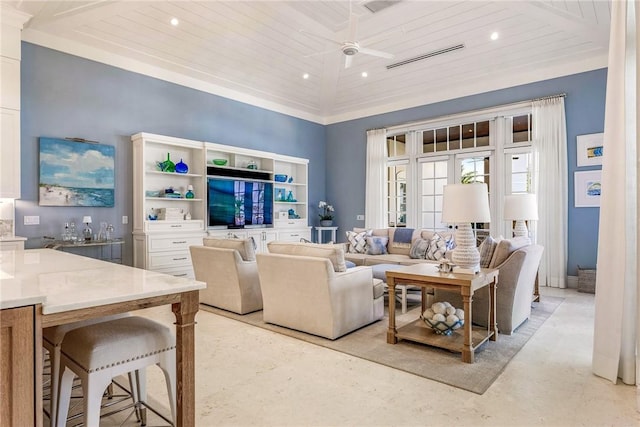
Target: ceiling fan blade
348,60
373,52
353,26
318,36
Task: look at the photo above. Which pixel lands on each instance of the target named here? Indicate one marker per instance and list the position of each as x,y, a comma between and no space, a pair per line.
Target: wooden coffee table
466,339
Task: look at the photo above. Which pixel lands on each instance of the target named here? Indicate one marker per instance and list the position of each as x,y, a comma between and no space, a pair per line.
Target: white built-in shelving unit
163,245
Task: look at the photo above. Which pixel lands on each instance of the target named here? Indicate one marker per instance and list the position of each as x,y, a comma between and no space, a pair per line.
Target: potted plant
326,214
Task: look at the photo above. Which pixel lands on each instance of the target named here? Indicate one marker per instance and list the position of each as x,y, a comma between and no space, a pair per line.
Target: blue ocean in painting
74,196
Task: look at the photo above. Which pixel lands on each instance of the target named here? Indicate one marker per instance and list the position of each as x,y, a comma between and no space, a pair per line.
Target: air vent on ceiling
376,6
426,55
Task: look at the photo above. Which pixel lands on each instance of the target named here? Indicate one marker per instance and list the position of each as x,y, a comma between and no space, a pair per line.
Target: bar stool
52,340
98,353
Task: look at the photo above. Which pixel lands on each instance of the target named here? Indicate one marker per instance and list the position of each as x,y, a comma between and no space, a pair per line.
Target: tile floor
248,376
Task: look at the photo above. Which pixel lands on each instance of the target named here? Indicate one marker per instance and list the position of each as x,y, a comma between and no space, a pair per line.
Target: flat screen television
237,203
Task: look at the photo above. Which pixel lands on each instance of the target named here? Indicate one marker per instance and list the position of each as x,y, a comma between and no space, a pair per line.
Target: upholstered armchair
514,293
302,290
232,282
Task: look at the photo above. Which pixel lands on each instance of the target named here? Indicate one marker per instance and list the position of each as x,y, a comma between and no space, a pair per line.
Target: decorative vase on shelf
181,167
167,165
326,222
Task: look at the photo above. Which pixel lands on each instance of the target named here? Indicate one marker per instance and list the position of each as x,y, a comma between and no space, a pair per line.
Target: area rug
370,343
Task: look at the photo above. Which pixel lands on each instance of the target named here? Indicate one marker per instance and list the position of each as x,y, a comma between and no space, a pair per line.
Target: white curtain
617,320
550,158
375,197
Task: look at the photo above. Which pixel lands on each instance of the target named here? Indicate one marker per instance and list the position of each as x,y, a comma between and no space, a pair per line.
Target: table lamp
463,204
519,208
87,232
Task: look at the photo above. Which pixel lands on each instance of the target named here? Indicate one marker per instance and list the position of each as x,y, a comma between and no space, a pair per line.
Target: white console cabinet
162,244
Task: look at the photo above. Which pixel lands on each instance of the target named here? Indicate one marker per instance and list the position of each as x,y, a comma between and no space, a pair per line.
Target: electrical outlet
360,217
31,220
125,219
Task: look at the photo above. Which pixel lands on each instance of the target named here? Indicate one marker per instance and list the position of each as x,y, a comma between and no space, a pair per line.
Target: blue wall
67,96
584,106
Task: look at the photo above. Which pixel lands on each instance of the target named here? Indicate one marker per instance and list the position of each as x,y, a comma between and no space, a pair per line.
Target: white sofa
307,287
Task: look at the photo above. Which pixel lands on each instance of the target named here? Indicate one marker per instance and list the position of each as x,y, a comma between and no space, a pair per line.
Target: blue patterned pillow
377,245
419,249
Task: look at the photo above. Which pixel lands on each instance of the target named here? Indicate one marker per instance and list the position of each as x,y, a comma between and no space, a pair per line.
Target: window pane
521,172
468,135
397,195
396,145
431,188
522,128
454,138
428,141
482,134
441,139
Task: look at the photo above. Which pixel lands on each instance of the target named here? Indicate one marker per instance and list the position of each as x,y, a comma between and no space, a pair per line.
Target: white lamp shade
86,219
465,203
521,206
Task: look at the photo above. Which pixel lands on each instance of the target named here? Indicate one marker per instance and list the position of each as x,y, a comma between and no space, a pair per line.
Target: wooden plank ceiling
258,51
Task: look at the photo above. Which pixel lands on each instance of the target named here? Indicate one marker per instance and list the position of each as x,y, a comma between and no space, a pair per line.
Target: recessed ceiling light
174,21
495,35
364,74
305,76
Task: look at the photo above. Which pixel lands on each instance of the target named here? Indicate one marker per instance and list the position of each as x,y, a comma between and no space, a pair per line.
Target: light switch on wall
360,217
31,220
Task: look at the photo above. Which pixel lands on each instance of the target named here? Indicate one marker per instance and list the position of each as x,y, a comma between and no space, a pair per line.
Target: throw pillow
377,245
487,247
350,264
505,248
358,241
437,248
246,247
419,249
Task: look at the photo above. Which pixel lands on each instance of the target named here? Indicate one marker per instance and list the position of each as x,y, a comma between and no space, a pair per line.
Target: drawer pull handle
294,235
180,259
180,242
180,275
176,225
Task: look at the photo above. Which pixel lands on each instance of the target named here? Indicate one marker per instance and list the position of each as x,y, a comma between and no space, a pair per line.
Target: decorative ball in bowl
443,318
280,177
219,162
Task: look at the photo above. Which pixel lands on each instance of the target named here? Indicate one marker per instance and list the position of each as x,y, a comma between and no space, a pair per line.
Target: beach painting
76,173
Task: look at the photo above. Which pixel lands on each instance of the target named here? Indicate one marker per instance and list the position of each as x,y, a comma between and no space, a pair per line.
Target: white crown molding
14,17
108,58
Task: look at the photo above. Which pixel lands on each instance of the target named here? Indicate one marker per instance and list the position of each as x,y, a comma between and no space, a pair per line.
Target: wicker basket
587,280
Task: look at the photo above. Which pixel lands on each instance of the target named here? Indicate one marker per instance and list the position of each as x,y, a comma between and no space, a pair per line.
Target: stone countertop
62,281
12,239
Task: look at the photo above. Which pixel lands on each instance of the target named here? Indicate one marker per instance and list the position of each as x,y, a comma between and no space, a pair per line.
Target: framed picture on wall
587,187
589,149
76,173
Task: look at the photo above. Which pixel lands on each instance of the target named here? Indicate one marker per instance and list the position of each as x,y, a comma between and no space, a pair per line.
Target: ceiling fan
350,47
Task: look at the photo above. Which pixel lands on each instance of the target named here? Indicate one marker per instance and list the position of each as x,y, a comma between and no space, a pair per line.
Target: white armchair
305,292
232,283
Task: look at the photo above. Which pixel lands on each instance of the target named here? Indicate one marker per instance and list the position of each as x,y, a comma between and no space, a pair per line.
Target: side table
105,248
333,230
427,276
